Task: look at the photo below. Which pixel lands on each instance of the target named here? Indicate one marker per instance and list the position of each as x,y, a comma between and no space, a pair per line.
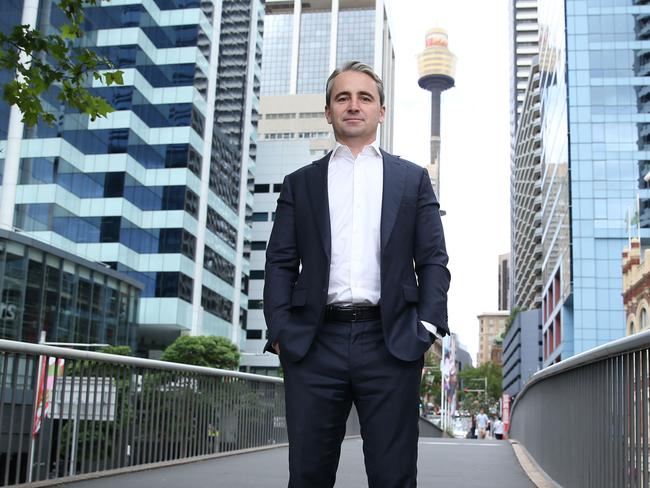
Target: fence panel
65,412
585,419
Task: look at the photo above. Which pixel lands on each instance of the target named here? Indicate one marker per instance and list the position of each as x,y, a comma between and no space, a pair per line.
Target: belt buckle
354,315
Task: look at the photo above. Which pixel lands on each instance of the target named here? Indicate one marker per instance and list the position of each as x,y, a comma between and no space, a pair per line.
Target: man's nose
353,106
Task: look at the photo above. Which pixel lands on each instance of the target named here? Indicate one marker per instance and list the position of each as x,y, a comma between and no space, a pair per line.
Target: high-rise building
524,47
522,349
303,44
525,182
437,67
504,282
593,85
526,202
491,326
158,190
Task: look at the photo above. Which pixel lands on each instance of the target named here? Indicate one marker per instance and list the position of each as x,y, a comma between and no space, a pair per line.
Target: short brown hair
359,67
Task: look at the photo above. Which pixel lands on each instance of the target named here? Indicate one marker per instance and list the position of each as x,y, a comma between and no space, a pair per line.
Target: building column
334,29
378,55
295,46
197,290
15,137
243,179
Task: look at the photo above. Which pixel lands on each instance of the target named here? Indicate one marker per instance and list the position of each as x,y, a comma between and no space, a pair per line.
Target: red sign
505,412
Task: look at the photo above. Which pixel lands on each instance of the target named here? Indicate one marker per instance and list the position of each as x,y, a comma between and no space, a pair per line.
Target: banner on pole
43,403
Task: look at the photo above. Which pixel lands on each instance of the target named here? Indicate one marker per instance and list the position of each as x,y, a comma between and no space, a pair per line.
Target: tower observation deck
437,66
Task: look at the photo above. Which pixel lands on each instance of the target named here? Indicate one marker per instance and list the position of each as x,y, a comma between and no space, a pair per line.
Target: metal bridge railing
65,412
585,419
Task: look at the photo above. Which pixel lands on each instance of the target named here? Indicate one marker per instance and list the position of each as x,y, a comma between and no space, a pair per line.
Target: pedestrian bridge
76,418
448,463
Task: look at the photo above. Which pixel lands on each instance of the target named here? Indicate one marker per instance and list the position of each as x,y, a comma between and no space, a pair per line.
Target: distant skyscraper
525,183
526,202
593,85
491,326
437,66
504,282
524,45
303,44
159,189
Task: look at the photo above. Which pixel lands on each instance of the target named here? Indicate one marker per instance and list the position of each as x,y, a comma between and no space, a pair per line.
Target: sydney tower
437,66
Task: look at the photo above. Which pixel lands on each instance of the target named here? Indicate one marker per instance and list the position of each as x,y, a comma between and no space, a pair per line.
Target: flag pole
628,222
638,222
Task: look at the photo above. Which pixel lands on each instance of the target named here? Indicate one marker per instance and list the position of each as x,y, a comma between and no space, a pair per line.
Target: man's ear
328,114
382,114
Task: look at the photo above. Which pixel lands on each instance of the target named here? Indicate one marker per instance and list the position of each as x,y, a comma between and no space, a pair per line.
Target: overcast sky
475,125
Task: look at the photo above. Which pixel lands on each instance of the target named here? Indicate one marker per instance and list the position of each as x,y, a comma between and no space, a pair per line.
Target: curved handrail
63,352
613,348
585,420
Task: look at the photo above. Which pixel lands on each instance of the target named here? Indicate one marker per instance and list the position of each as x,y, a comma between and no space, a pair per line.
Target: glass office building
159,190
594,127
44,289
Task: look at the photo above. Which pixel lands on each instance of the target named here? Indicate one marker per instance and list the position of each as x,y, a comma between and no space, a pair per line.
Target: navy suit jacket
414,274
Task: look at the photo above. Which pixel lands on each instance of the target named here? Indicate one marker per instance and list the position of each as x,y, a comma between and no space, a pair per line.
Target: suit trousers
348,363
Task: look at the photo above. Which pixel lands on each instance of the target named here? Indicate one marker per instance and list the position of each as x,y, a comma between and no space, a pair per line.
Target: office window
313,53
253,334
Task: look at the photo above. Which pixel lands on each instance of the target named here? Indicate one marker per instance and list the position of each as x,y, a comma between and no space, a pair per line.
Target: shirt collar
342,149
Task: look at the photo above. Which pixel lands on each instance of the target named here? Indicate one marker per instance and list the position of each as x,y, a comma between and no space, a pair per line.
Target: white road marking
486,444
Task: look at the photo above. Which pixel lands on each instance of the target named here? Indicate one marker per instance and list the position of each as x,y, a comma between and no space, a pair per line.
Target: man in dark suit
355,292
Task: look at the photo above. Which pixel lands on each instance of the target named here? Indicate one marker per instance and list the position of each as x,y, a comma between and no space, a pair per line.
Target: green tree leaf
54,62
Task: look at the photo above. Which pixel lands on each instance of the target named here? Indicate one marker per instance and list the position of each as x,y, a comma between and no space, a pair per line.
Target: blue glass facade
129,190
314,52
356,36
276,58
594,125
354,40
43,289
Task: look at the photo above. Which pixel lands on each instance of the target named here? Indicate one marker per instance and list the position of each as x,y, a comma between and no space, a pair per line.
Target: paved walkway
445,463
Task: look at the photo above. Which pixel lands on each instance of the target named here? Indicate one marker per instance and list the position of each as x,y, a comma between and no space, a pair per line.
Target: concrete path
445,463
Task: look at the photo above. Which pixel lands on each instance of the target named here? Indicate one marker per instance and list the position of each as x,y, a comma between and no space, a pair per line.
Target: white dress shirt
355,189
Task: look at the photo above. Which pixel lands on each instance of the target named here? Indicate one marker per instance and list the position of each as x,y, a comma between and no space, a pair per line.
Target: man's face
354,109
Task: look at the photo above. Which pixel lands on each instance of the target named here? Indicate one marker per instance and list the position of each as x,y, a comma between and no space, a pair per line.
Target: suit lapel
319,201
393,189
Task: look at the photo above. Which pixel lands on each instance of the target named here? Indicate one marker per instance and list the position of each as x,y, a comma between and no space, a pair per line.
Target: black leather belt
352,313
